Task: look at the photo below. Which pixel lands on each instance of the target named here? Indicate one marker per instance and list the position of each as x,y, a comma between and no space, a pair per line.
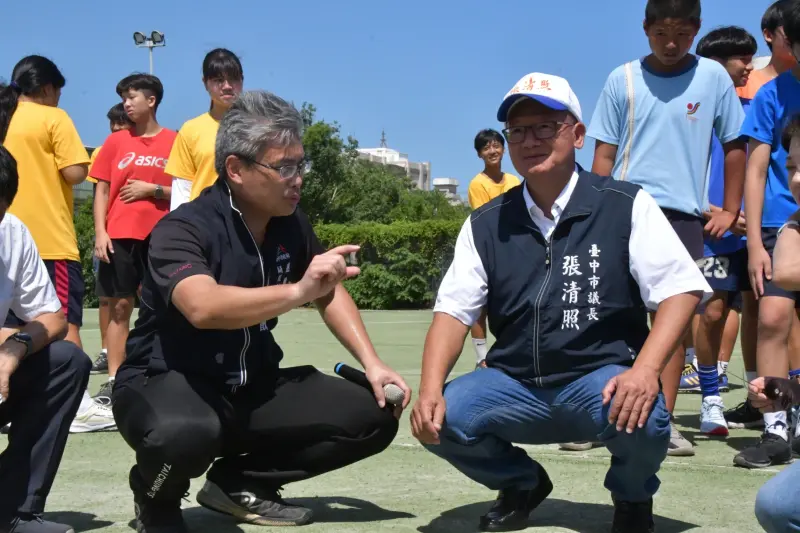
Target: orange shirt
127,156
754,82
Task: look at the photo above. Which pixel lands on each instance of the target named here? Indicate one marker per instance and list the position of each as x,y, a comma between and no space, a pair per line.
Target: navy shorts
690,231
727,272
67,278
769,236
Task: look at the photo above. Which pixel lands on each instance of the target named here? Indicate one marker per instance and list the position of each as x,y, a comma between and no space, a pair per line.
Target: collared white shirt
659,262
25,286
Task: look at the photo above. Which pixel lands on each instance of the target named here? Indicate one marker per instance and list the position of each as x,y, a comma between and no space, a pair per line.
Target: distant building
418,173
449,188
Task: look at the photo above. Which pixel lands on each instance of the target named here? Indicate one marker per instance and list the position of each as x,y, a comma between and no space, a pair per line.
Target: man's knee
69,360
649,443
774,508
189,445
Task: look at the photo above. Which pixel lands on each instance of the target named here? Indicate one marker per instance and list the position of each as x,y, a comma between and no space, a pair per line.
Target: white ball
394,394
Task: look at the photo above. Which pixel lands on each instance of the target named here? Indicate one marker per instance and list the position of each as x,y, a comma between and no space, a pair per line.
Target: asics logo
142,161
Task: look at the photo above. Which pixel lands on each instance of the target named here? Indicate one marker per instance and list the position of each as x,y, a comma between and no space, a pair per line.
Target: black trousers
44,395
309,424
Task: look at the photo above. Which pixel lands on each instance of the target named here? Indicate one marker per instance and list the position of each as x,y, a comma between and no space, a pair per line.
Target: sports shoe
513,506
98,417
576,446
744,416
723,383
771,450
678,445
633,517
100,365
690,380
34,524
104,394
712,419
266,508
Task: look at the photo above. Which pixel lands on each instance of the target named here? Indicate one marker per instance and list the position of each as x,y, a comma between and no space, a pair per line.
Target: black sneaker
100,365
744,416
512,508
34,524
103,396
633,517
771,450
266,508
154,516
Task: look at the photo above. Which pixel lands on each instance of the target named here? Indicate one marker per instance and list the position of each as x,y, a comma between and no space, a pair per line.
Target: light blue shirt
772,108
675,118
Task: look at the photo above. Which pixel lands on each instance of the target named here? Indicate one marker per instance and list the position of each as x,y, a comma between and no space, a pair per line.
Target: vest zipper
537,305
246,331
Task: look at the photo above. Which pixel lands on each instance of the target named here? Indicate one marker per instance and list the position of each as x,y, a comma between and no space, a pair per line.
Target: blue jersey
674,118
772,108
716,195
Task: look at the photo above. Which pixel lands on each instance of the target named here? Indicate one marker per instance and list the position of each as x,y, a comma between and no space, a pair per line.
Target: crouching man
201,382
567,267
42,377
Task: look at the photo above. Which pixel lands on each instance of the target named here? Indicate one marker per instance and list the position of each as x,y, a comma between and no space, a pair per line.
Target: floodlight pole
150,44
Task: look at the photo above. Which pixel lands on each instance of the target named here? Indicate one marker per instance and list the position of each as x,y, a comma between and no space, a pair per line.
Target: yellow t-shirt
192,155
89,178
44,141
483,189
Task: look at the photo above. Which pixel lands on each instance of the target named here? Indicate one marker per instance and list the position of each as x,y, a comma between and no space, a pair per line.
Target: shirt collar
559,205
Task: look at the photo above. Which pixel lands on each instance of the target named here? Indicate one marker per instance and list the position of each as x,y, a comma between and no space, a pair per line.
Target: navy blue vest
564,308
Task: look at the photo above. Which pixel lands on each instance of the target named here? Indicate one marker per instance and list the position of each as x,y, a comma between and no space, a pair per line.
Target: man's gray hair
256,121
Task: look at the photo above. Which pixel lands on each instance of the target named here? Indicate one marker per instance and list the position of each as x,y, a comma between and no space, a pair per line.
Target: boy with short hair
725,261
768,204
653,126
490,183
132,195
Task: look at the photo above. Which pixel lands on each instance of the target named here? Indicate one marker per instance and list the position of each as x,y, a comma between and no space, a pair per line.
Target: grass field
407,488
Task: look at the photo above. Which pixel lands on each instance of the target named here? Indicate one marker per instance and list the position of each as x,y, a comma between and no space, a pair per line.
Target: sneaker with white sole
98,417
712,417
678,445
265,508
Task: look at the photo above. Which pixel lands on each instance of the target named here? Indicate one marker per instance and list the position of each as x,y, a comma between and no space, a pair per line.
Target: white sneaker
98,417
712,418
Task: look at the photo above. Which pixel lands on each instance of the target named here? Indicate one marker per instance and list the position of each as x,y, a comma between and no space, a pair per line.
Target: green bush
84,227
401,263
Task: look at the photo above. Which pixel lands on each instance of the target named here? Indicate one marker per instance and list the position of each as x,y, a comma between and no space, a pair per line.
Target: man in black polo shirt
202,381
566,267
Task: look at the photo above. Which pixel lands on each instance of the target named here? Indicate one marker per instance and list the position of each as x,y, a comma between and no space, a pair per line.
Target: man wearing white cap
567,268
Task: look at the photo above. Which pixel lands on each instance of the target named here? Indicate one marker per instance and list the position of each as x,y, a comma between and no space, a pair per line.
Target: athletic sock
775,423
722,367
480,349
690,358
111,379
709,380
104,351
750,376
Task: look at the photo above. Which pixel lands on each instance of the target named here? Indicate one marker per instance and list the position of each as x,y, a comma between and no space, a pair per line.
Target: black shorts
727,272
690,231
769,236
122,276
67,278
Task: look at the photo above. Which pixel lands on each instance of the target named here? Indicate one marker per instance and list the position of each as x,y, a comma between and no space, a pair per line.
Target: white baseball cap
552,91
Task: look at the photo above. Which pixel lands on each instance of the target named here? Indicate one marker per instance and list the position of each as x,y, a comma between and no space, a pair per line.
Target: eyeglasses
541,131
286,172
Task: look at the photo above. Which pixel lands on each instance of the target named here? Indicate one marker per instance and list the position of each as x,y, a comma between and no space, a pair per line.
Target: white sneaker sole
714,429
93,428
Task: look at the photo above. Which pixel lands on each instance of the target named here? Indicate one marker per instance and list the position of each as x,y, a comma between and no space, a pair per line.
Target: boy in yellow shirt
487,185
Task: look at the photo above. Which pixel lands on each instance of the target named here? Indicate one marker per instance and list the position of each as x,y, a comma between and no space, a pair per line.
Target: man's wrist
14,348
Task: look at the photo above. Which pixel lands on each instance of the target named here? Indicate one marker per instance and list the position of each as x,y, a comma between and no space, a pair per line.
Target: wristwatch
159,193
23,338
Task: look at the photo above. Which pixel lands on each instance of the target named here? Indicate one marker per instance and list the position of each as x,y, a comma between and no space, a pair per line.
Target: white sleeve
181,192
659,262
34,294
464,289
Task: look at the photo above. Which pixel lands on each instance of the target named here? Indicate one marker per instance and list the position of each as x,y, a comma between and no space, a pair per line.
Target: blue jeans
487,410
778,502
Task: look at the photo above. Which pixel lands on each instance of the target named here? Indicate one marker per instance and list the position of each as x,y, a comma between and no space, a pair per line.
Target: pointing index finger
344,249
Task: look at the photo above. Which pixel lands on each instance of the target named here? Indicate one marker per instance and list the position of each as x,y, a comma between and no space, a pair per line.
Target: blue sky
431,73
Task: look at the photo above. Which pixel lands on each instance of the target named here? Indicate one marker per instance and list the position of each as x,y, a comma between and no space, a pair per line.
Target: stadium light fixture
142,41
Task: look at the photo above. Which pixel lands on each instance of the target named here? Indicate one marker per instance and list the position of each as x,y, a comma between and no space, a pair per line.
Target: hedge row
401,263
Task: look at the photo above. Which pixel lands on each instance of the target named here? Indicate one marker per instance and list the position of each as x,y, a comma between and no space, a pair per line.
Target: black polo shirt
209,237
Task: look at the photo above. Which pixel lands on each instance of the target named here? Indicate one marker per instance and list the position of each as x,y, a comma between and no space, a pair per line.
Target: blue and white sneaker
690,380
723,383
